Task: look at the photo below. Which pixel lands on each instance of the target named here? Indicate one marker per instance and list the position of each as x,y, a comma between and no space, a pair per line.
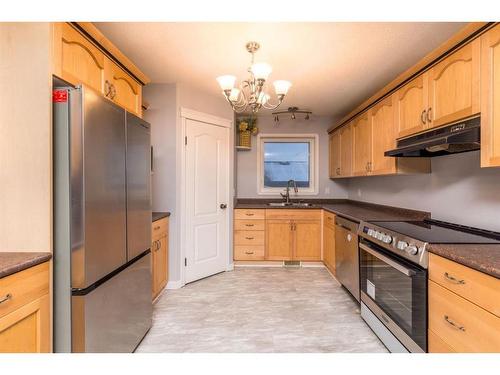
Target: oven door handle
407,271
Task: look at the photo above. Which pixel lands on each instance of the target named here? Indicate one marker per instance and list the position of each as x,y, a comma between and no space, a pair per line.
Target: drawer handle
249,252
453,279
249,214
249,238
452,323
6,298
156,228
249,225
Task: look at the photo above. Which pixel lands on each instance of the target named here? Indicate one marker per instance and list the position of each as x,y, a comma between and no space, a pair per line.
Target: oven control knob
387,239
401,245
380,235
370,232
374,234
412,250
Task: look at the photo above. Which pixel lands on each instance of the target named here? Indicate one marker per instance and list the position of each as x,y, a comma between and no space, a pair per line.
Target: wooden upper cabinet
454,86
490,98
307,240
361,145
411,107
79,60
334,154
122,88
382,122
345,134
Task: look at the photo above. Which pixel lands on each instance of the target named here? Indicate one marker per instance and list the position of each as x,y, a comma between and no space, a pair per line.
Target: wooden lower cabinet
25,316
463,308
307,246
279,239
159,256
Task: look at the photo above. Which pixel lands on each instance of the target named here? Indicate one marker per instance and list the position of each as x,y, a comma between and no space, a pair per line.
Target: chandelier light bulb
263,98
281,87
226,82
235,93
261,70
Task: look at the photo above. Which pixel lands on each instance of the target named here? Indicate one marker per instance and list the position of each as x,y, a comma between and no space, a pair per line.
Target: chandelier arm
271,106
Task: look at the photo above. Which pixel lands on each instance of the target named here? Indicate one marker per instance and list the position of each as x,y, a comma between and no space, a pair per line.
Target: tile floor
260,310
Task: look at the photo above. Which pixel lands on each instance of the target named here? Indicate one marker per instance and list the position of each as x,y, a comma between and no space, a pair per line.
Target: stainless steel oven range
393,258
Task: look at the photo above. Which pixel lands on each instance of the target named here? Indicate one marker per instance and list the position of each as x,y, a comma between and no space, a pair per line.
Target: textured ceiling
332,66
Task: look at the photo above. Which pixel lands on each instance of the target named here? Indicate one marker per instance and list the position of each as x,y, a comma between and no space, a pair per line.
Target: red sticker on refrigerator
59,96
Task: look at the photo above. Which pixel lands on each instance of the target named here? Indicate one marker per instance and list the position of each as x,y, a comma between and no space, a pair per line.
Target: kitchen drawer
254,214
477,287
299,214
329,219
437,345
249,252
249,225
159,228
461,324
23,287
244,237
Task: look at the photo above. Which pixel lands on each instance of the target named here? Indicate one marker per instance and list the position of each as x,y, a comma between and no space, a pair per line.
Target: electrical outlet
327,190
359,192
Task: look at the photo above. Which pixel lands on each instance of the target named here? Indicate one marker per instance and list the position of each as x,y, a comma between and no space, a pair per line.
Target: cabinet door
27,329
81,61
122,88
411,107
454,86
361,145
346,150
384,137
160,265
278,240
329,247
490,98
307,242
334,154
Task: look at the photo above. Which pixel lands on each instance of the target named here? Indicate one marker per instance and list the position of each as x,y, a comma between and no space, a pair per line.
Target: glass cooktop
439,232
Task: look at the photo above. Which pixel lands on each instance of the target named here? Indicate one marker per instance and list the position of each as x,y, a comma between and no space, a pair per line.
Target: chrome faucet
286,196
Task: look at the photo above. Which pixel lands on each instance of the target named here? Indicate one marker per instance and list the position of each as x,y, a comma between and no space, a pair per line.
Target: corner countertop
12,262
349,209
481,257
159,215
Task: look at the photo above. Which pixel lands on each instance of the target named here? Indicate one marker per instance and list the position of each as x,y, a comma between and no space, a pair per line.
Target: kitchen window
282,158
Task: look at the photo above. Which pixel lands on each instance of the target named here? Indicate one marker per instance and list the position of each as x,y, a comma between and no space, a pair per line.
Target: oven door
396,292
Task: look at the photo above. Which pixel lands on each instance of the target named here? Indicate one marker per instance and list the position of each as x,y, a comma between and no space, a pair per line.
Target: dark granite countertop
353,210
481,257
159,215
12,262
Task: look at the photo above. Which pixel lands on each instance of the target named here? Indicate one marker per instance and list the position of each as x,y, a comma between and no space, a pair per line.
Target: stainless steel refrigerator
102,224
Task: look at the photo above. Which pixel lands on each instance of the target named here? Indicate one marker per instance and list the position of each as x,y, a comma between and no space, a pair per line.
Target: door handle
223,206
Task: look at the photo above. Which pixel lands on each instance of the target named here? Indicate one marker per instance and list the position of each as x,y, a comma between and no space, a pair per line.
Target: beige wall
25,137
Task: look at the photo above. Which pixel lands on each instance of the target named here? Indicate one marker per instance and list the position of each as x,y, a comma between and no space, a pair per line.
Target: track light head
307,116
293,116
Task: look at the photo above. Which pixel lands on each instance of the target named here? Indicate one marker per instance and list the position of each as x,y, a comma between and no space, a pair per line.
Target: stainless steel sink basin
291,204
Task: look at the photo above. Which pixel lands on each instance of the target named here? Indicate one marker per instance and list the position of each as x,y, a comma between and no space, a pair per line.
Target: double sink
290,204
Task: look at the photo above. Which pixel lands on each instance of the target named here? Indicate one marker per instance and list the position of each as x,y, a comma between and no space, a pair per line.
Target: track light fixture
292,111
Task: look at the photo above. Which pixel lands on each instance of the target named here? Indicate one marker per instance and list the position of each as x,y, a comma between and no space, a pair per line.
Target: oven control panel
399,244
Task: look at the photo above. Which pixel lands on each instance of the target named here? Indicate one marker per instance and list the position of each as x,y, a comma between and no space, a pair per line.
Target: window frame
313,140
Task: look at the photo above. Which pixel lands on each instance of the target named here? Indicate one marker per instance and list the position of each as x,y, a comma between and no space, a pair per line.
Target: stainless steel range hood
459,137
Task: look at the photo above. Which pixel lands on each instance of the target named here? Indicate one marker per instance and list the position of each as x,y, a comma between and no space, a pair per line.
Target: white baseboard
175,284
230,267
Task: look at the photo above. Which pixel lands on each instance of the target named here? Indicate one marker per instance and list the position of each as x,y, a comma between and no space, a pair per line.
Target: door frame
189,114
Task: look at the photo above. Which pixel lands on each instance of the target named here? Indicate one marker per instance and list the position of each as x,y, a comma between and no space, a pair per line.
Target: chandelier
251,94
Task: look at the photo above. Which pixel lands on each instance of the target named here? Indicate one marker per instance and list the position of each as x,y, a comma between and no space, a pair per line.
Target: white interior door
207,176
